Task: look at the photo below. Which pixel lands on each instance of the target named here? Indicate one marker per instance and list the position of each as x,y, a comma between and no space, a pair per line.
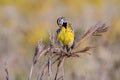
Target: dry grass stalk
57,55
60,64
38,50
96,30
6,71
51,37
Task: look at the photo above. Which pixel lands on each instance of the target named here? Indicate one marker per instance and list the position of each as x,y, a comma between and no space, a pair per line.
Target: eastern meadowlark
65,34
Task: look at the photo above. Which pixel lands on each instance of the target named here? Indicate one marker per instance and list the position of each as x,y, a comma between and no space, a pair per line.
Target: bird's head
62,22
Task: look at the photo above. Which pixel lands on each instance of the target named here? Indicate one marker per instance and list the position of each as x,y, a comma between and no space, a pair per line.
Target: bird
65,34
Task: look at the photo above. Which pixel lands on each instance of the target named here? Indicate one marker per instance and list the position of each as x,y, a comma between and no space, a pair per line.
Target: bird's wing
58,30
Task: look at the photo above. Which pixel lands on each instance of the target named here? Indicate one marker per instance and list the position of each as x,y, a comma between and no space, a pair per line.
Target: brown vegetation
57,55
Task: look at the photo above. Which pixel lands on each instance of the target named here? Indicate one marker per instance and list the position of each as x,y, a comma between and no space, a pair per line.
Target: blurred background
24,22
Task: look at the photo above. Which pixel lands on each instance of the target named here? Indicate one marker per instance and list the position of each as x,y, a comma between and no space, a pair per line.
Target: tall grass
56,55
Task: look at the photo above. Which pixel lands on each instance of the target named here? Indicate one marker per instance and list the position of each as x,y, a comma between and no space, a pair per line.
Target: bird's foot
68,54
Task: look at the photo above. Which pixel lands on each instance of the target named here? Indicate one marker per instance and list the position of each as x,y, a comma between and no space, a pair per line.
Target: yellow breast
66,35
